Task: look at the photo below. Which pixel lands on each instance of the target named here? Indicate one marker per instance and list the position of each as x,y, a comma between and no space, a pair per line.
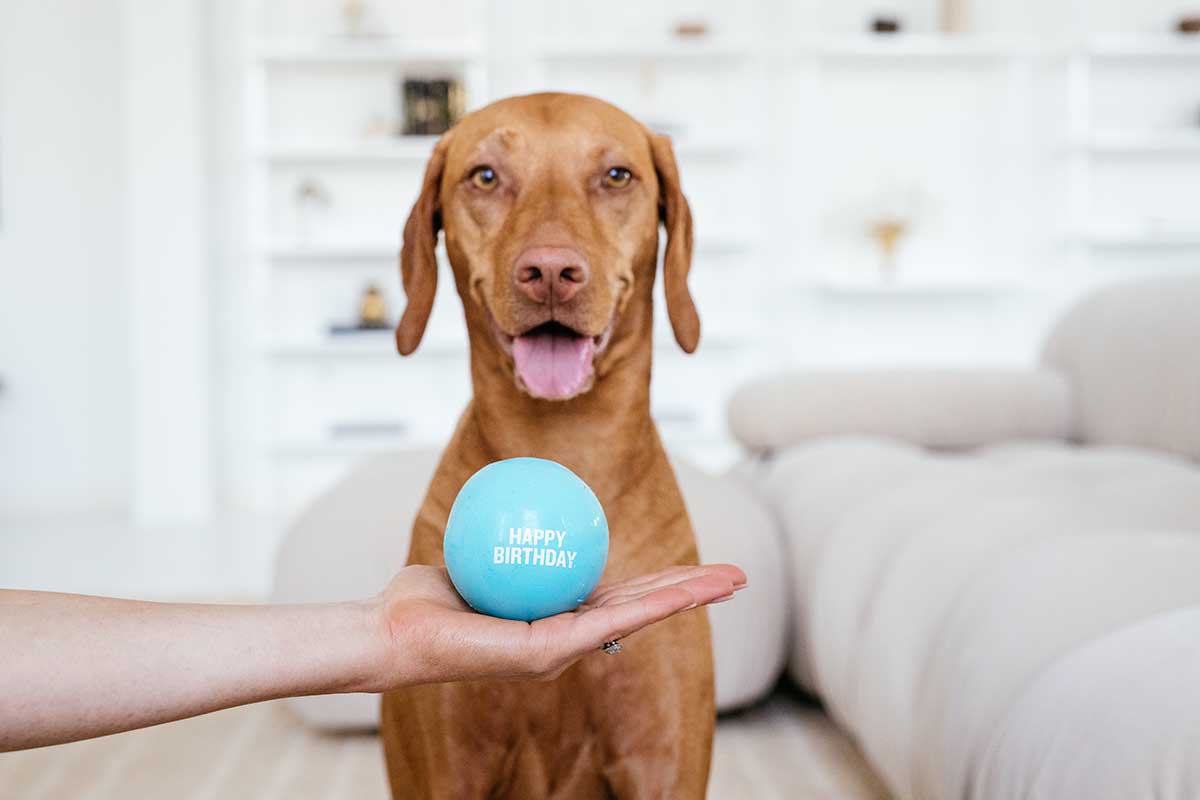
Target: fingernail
723,599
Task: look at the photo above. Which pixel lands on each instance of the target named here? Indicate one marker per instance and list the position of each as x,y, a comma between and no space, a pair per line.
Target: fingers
593,628
665,578
619,618
702,589
634,586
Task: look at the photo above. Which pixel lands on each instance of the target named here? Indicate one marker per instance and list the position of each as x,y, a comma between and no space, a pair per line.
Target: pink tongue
553,366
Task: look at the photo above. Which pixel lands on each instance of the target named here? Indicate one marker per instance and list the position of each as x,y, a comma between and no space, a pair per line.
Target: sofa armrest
937,408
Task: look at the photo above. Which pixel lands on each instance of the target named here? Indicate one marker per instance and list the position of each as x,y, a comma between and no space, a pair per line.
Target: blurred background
200,206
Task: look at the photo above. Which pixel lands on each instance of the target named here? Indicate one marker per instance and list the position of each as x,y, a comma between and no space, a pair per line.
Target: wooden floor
784,748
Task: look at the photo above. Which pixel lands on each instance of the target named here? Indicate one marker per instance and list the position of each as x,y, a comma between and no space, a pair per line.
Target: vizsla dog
550,205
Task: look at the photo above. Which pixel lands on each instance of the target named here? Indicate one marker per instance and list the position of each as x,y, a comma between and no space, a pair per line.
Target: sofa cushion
353,538
943,408
1133,355
1109,721
930,590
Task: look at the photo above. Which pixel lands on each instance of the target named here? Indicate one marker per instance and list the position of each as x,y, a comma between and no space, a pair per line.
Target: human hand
429,634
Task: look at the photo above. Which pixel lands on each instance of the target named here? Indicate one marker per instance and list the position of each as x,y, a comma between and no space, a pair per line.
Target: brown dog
550,206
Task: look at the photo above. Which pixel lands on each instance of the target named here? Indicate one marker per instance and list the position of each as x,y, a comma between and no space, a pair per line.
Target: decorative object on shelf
885,24
311,199
954,16
890,214
1189,23
358,19
372,309
372,314
432,106
692,29
888,232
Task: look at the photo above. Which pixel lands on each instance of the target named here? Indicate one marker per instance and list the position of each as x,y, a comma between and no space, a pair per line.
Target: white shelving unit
1108,155
310,102
773,129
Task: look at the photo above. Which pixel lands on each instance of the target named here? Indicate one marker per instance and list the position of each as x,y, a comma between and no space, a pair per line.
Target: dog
550,205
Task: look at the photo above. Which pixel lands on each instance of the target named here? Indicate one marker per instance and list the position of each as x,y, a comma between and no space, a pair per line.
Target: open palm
434,636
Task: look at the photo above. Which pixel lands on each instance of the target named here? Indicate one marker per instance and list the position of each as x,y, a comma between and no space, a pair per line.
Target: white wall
64,307
104,268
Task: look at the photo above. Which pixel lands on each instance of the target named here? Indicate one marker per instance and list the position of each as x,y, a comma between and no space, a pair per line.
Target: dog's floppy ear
676,216
418,256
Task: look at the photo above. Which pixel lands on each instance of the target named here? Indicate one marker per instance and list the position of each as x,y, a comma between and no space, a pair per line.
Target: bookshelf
779,131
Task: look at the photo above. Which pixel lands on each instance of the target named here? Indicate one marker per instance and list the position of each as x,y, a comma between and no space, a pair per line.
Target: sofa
991,578
995,574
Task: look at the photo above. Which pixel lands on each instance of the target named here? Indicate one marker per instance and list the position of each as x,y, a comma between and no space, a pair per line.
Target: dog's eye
484,178
617,178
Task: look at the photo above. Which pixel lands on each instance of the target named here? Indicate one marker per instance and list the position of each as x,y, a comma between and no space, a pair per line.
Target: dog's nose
550,274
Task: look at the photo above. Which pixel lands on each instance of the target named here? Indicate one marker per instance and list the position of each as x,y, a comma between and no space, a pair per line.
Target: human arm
76,666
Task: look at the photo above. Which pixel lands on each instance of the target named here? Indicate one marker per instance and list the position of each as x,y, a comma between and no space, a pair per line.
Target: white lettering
498,555
571,559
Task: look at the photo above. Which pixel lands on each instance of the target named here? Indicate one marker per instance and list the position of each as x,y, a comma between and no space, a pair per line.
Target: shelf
698,49
416,149
341,446
406,149
381,345
339,50
330,251
720,243
1165,45
1134,141
917,288
1139,237
370,345
919,46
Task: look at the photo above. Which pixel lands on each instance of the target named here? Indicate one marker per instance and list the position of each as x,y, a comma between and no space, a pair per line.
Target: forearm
146,663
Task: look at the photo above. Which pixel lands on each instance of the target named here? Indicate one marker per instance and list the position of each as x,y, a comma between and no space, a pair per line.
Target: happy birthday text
537,547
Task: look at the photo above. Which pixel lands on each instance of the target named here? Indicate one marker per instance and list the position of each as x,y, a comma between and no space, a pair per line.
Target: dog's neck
599,433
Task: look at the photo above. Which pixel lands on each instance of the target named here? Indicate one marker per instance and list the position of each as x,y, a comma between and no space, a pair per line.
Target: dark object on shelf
1189,24
692,29
355,330
431,107
885,25
345,430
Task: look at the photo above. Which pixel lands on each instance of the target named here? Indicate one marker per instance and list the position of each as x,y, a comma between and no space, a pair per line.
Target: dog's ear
676,216
418,256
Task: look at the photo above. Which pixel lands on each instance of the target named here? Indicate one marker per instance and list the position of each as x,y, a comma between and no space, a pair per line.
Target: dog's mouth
554,361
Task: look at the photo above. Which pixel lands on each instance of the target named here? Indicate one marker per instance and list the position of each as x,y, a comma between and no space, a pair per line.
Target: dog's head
550,205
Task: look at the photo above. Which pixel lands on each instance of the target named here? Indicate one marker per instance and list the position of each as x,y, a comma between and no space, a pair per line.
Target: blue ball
526,539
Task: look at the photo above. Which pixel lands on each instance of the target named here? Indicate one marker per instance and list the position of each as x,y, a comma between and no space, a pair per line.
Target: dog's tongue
553,364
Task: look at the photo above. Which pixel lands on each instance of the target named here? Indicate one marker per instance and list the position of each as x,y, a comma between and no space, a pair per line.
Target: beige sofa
991,578
995,575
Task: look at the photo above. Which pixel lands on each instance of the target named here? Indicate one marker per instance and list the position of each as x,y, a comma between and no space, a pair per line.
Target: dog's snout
550,274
